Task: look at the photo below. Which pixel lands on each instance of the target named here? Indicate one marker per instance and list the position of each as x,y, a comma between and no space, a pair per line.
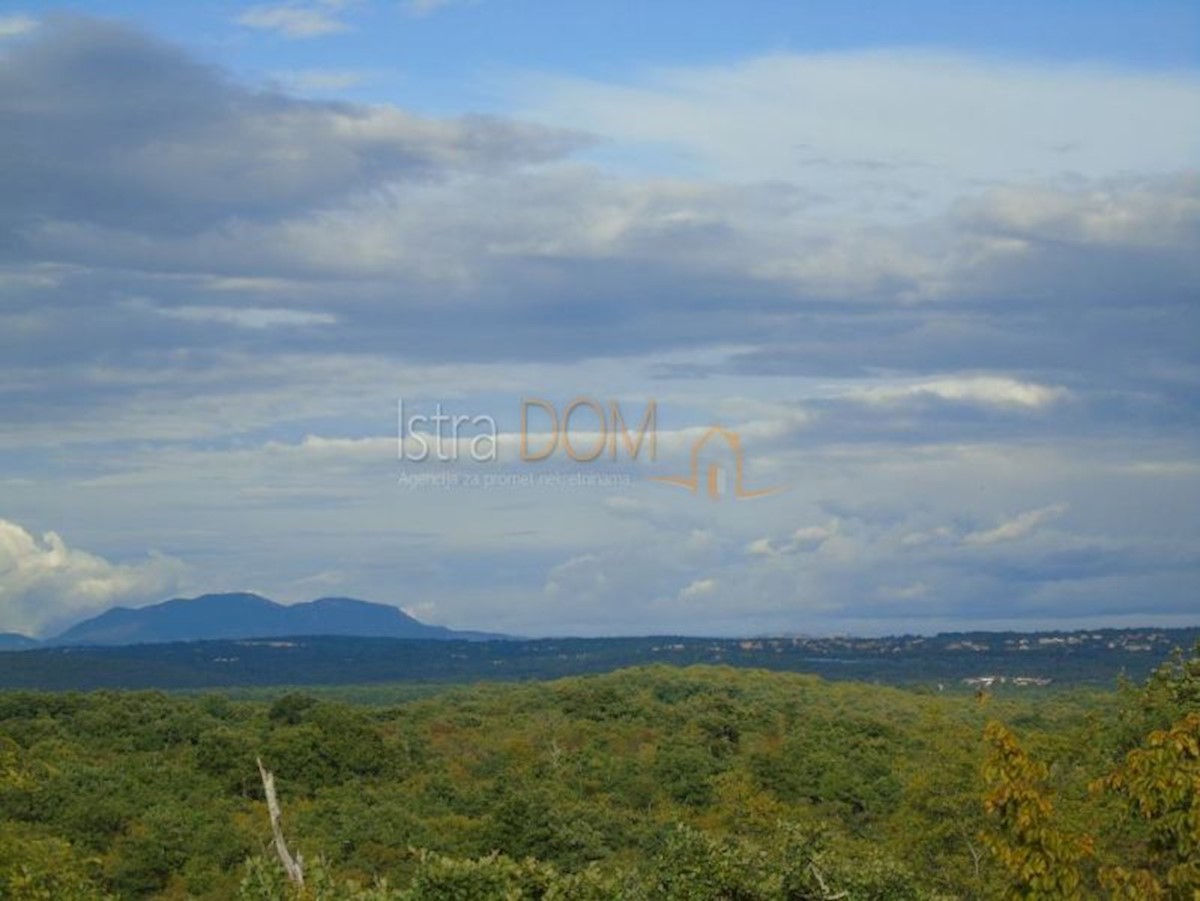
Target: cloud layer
949,302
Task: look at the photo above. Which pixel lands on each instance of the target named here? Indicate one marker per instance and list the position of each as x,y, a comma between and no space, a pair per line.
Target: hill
14,641
244,615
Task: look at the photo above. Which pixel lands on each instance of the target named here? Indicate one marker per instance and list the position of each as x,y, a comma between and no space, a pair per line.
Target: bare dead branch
293,866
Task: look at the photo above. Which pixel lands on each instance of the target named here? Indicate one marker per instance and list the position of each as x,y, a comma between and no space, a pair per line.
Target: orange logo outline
692,482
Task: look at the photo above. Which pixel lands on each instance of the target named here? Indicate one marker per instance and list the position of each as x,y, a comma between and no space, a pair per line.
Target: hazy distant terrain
1015,659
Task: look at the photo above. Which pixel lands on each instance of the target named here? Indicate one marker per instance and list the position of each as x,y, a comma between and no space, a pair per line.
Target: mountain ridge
237,615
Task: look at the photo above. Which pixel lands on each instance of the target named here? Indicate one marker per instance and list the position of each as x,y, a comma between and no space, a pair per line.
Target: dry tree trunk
293,866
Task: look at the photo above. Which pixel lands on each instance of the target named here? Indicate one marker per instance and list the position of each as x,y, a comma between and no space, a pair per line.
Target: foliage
1161,785
648,784
1149,841
1044,863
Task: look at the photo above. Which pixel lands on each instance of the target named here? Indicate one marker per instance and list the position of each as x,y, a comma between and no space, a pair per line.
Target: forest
653,782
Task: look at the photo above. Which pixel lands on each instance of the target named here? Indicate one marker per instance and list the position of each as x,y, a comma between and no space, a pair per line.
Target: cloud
940,534
1114,213
582,574
804,539
457,545
884,130
249,317
296,20
426,611
16,25
698,589
425,7
44,584
436,234
175,145
215,291
625,506
1016,528
983,390
912,592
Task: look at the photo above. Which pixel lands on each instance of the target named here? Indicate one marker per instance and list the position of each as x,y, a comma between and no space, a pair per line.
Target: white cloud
760,547
295,20
698,589
426,611
580,573
1131,213
16,25
46,584
885,130
978,390
806,538
248,317
1015,528
812,536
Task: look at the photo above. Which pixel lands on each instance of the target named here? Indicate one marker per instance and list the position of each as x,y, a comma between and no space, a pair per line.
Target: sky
933,264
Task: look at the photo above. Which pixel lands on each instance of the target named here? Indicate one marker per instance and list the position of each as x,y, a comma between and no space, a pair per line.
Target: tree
1042,861
1161,785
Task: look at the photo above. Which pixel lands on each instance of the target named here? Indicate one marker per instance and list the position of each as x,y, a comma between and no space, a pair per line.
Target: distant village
1022,660
1132,641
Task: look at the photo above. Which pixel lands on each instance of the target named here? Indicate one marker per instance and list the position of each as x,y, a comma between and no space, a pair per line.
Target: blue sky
935,263
447,57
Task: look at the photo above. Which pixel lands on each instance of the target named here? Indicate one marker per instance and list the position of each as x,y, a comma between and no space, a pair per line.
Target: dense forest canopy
654,782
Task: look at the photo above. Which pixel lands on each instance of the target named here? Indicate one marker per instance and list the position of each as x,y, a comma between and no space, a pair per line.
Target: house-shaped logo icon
714,479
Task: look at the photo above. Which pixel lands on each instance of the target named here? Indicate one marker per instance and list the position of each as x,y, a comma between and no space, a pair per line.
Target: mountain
245,615
14,641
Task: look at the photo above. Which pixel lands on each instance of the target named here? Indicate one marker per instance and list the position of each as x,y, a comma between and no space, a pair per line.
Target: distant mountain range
242,615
